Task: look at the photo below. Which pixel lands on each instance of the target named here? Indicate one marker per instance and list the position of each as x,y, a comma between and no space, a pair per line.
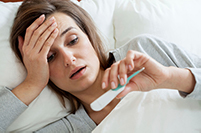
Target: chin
89,81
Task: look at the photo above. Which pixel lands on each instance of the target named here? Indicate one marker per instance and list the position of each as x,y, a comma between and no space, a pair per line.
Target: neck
91,94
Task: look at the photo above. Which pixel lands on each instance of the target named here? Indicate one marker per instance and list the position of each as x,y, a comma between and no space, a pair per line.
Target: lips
77,72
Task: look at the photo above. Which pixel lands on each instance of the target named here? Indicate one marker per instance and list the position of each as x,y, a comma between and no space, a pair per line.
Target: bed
118,21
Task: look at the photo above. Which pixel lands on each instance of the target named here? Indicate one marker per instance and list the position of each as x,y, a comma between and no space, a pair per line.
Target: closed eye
74,41
50,58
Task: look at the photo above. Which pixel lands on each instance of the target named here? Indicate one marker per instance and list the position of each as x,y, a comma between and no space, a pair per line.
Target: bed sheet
158,111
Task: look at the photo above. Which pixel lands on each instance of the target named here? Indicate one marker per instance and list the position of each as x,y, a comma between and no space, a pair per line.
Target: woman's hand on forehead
39,37
34,48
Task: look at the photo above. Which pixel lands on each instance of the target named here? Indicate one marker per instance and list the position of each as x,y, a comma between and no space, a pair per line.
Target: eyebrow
65,31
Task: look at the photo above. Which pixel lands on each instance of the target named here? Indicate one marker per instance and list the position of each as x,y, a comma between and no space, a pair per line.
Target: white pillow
157,111
47,107
102,12
176,21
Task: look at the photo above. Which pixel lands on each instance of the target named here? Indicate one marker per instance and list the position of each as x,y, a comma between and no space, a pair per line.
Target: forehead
63,20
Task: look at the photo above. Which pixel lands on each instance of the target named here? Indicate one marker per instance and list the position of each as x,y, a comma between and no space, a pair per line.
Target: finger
39,31
105,79
32,27
44,37
114,75
140,59
130,57
122,72
46,47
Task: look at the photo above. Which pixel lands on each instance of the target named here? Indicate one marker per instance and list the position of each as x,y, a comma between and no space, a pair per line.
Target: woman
59,42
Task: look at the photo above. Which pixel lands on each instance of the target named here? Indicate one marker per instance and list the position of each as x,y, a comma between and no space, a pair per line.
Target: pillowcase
102,12
46,108
175,21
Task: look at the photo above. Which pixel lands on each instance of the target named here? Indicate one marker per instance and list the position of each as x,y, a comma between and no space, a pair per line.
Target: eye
74,41
50,58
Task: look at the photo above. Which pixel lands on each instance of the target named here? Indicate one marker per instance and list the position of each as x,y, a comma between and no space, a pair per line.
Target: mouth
77,72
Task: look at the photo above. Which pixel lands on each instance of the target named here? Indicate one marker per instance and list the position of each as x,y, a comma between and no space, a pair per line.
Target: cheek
56,76
55,72
92,56
88,50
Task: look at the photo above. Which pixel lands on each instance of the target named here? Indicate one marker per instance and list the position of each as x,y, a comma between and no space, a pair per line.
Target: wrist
27,92
180,79
36,81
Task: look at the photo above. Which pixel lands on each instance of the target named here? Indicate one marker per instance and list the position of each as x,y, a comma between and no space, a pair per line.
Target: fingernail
127,67
103,85
113,85
130,67
54,24
51,19
42,16
122,81
55,31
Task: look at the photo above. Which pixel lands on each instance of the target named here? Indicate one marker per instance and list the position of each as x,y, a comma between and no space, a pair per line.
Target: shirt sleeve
167,54
10,108
79,122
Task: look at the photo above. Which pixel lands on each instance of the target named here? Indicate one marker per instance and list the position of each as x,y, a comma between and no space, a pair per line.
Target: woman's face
73,62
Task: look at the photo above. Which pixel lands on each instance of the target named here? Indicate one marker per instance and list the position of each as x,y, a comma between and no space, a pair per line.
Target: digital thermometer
107,97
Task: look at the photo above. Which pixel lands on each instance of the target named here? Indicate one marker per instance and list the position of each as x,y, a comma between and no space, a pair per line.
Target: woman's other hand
152,77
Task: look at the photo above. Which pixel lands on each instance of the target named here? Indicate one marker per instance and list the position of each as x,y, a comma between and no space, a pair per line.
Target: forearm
179,78
27,92
196,93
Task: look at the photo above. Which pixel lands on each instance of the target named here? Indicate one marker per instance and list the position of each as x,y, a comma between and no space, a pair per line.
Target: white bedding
158,111
118,21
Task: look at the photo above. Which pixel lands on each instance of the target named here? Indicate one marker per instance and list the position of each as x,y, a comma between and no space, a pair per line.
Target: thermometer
107,97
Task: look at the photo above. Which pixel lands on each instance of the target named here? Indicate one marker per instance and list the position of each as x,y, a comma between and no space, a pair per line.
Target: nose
68,58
